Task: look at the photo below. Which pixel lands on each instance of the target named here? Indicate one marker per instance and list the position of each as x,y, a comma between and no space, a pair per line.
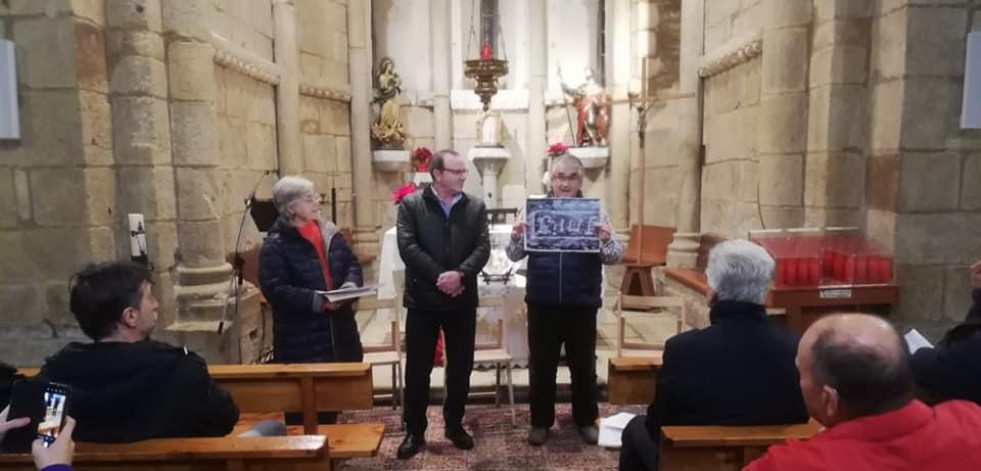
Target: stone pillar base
683,250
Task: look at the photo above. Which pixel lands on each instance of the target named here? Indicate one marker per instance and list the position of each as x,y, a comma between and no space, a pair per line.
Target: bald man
856,380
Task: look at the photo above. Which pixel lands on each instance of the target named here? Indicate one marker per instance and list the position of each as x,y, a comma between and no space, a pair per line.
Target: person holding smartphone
54,457
303,256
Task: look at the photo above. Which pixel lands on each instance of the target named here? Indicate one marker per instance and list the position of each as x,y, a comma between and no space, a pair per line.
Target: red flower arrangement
405,190
420,159
557,149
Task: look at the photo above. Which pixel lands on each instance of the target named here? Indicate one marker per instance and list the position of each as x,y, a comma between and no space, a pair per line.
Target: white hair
289,190
739,270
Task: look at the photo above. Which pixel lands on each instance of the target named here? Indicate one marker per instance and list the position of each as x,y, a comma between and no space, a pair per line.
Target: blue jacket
290,276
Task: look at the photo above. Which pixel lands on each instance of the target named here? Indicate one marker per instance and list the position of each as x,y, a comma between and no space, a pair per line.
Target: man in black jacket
125,387
443,240
738,371
952,370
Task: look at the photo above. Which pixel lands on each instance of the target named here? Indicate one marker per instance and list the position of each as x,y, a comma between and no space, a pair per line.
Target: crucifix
637,279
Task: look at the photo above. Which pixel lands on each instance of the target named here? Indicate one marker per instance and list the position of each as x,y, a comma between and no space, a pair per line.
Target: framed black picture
562,225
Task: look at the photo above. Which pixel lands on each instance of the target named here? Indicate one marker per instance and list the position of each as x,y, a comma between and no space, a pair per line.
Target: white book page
916,341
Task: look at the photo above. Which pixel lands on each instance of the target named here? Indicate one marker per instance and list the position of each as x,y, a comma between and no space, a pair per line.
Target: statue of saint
490,130
593,109
388,130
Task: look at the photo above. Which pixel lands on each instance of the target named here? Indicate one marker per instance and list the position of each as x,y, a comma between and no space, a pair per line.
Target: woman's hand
329,306
7,425
59,452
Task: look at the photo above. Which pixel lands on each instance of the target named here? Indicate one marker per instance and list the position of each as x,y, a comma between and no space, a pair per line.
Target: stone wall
57,186
730,176
922,182
726,20
173,109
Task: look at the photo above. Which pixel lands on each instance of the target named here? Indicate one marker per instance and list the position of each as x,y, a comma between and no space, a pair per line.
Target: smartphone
46,404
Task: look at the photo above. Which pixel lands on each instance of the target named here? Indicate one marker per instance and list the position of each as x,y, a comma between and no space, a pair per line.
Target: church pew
299,453
307,388
632,380
723,448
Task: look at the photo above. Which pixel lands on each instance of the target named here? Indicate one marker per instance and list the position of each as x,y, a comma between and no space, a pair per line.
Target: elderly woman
302,256
563,296
738,371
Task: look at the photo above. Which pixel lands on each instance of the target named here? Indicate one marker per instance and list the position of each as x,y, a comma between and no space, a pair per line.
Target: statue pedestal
391,160
489,161
591,157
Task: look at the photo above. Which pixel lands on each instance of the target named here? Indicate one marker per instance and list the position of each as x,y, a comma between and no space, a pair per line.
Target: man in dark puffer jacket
126,388
952,370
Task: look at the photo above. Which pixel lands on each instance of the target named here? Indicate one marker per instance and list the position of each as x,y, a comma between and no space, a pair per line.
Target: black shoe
411,446
460,438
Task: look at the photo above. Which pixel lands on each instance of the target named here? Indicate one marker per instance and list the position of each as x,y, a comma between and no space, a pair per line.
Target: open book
345,294
611,429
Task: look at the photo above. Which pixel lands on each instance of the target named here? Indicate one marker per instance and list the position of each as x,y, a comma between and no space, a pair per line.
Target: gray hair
567,159
739,270
289,190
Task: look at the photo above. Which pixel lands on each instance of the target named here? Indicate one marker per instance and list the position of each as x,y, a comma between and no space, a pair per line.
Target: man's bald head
861,359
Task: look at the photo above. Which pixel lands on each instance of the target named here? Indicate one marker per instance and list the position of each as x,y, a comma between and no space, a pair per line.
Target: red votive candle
485,52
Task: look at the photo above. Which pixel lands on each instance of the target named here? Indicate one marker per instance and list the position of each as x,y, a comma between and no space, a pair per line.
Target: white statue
490,130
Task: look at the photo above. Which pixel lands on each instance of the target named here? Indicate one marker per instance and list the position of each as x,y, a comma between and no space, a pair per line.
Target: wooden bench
723,448
301,453
633,380
307,388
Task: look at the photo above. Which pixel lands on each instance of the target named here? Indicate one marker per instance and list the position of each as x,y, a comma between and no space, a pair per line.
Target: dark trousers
421,330
639,450
548,328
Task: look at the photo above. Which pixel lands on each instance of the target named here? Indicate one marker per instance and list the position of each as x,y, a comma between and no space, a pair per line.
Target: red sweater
915,437
311,232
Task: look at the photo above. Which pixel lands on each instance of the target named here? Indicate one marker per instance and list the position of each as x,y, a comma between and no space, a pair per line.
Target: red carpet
499,446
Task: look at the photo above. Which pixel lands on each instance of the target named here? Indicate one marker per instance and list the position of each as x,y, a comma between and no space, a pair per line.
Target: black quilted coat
289,276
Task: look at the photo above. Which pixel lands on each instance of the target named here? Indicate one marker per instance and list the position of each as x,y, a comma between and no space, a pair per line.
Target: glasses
566,178
458,173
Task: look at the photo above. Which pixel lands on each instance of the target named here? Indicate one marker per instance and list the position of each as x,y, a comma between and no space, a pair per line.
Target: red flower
403,191
557,149
420,159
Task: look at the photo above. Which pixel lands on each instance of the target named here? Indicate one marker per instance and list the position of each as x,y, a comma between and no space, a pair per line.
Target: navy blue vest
564,278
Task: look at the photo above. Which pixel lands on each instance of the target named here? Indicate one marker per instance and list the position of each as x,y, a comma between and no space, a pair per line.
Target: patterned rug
498,445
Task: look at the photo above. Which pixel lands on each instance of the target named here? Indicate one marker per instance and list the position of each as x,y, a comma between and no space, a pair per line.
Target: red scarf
311,232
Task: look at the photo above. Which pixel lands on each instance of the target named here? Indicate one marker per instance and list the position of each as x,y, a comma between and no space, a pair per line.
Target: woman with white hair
563,296
738,371
301,256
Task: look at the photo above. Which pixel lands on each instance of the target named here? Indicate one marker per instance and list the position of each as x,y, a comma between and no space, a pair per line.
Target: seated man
952,370
857,382
125,386
738,371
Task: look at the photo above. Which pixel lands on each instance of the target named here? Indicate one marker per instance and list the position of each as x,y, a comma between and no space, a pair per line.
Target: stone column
288,91
439,11
618,84
359,60
834,187
141,137
690,121
202,273
782,128
537,81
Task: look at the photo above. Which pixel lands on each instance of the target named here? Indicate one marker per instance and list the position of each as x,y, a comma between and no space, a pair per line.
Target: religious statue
388,130
593,108
490,130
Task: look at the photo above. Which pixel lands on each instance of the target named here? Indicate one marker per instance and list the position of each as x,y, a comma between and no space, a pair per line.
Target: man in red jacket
856,380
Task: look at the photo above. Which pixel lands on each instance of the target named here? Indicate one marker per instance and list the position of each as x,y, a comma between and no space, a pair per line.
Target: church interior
840,135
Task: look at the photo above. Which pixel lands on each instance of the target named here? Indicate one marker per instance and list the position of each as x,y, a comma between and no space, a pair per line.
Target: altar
512,311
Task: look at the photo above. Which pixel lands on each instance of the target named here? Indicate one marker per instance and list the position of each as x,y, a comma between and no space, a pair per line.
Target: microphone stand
237,278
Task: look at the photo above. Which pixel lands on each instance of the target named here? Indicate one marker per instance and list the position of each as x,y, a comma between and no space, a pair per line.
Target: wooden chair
636,307
391,353
723,448
495,353
298,453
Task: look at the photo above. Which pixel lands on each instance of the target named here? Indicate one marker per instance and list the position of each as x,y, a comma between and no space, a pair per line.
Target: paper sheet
916,341
611,429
